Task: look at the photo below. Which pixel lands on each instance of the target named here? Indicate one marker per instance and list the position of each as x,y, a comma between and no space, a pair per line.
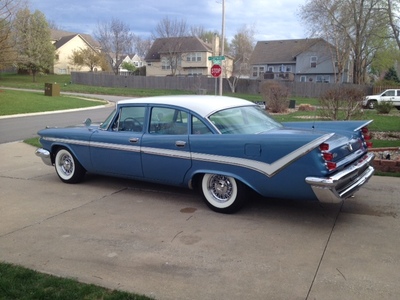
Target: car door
116,151
389,95
165,146
396,101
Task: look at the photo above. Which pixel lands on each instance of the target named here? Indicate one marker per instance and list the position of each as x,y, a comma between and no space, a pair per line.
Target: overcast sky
272,19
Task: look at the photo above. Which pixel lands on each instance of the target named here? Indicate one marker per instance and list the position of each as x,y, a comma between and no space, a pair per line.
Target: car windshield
243,120
106,123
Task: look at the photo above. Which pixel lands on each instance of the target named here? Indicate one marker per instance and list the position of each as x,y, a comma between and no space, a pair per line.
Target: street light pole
222,48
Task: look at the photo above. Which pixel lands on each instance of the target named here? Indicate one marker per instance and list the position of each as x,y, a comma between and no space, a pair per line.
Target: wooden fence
199,84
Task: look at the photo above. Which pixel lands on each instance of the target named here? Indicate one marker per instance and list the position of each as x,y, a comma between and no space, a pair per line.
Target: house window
323,78
195,72
165,64
255,71
303,78
195,56
282,68
313,61
270,69
288,69
258,71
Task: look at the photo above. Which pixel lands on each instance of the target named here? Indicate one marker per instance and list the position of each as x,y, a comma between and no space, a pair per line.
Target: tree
128,66
8,52
171,34
34,48
341,103
86,57
115,39
384,59
391,75
168,28
355,27
141,46
241,48
391,9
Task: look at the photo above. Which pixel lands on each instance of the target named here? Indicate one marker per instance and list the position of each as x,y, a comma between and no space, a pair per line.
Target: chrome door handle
180,144
133,140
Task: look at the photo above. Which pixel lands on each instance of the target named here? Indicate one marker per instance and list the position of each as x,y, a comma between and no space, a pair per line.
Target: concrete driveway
165,243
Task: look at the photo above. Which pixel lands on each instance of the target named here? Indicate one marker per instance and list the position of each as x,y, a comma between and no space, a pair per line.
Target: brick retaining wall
385,165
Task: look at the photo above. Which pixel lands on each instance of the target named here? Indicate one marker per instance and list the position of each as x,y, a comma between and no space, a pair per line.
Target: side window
131,118
168,121
198,127
389,93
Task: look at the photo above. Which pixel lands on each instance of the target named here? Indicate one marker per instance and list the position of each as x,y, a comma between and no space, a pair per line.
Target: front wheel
223,194
68,167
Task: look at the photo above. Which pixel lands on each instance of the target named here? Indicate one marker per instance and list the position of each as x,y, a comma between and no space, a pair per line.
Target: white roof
201,104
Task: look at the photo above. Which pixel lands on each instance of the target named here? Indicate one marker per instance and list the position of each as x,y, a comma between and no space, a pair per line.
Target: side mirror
87,122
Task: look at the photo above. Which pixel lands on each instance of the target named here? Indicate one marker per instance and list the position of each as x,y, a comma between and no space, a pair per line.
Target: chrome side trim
266,169
44,155
343,184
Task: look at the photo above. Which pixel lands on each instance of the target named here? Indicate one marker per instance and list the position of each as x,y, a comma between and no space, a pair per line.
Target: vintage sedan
225,147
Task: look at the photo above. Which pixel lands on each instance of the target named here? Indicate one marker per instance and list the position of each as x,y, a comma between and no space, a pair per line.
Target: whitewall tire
222,193
68,167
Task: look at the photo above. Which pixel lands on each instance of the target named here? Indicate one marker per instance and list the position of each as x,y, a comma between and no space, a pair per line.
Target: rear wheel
68,167
223,194
371,104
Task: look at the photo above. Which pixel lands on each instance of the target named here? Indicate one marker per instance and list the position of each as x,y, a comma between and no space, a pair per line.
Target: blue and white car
223,146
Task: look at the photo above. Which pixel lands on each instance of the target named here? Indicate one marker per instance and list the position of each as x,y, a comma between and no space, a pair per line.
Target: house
184,56
301,60
132,59
65,43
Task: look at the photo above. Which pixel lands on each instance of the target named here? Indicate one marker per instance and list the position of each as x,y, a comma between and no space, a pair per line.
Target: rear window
243,120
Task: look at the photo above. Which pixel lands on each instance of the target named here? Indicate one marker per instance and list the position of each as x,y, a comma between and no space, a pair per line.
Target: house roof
176,45
61,37
280,51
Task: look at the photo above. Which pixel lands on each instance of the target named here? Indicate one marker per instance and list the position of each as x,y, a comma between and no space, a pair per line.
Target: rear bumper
44,155
343,184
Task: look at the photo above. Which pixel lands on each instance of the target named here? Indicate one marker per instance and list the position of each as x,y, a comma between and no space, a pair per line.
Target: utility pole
222,48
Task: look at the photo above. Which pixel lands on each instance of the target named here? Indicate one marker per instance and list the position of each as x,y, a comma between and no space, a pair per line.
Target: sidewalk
164,242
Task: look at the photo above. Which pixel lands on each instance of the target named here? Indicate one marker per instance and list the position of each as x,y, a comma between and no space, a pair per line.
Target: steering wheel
129,124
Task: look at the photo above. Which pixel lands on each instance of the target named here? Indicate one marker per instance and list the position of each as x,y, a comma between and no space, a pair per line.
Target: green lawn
23,284
18,102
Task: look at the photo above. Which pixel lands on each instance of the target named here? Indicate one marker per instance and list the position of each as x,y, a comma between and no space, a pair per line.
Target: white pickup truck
388,95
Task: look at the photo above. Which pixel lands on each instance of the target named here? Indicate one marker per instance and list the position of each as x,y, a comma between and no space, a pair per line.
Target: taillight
330,165
366,137
364,130
327,156
324,147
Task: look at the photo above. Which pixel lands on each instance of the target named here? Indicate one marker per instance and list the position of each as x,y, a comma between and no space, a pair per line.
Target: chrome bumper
343,184
44,155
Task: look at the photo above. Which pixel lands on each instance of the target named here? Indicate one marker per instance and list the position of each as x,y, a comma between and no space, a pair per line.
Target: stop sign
216,70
